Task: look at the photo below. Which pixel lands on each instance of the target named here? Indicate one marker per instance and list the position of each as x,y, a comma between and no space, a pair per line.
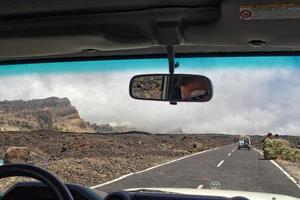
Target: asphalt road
233,169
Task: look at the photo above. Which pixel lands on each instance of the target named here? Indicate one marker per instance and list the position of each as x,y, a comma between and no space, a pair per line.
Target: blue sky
253,95
151,64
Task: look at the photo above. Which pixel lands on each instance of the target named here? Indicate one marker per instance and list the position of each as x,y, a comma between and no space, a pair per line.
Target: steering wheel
57,186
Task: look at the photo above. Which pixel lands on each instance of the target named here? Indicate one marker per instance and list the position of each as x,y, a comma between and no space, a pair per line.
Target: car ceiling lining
194,27
104,32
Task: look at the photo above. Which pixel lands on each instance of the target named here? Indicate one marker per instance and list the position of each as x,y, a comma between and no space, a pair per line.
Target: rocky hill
56,114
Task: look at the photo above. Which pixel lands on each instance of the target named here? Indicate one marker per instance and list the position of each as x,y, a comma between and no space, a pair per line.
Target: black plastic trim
94,11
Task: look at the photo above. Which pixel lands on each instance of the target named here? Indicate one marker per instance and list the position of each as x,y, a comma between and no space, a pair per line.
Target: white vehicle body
223,193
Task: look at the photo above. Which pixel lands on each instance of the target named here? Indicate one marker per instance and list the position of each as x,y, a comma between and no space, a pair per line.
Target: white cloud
252,101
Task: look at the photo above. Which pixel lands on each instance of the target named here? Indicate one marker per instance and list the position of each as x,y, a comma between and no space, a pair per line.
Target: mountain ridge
52,113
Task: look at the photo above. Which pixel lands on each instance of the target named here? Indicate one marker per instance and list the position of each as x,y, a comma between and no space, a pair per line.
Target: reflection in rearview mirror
166,87
190,88
148,87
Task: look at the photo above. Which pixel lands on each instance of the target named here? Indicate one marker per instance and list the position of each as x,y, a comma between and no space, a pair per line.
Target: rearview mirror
171,87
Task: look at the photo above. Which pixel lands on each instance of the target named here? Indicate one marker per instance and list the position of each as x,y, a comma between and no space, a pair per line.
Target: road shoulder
292,168
292,172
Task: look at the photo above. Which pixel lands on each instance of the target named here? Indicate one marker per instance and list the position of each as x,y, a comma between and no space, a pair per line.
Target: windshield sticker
265,11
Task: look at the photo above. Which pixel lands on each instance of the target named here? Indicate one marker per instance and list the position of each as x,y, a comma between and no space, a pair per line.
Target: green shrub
297,155
288,154
274,147
293,155
269,153
278,148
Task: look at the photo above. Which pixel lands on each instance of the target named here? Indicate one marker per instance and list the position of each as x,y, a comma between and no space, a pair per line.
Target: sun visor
274,24
102,32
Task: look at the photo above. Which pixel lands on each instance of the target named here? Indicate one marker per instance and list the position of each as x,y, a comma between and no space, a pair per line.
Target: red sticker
245,14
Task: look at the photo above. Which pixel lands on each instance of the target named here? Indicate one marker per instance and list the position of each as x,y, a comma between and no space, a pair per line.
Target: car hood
223,193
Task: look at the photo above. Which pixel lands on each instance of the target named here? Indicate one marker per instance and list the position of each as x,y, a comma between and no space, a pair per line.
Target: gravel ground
90,159
292,168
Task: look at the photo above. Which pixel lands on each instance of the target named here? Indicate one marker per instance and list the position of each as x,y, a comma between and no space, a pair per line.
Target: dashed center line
232,150
228,154
220,163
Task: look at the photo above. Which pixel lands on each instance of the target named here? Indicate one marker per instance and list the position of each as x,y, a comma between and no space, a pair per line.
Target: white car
244,143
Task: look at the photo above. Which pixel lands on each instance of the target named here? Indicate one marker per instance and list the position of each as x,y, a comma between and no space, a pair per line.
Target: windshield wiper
153,190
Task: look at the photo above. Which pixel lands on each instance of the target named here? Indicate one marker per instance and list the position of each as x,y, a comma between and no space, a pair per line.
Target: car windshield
77,120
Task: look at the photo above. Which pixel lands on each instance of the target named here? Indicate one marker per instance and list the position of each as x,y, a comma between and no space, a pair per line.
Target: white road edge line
150,168
228,154
281,169
220,163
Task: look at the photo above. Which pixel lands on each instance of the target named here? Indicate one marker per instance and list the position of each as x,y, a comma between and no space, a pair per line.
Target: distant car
244,143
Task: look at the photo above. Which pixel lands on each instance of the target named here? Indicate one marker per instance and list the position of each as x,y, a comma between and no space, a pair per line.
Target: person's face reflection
189,88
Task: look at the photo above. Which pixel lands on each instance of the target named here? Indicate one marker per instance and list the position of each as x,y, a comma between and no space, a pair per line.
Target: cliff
56,114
